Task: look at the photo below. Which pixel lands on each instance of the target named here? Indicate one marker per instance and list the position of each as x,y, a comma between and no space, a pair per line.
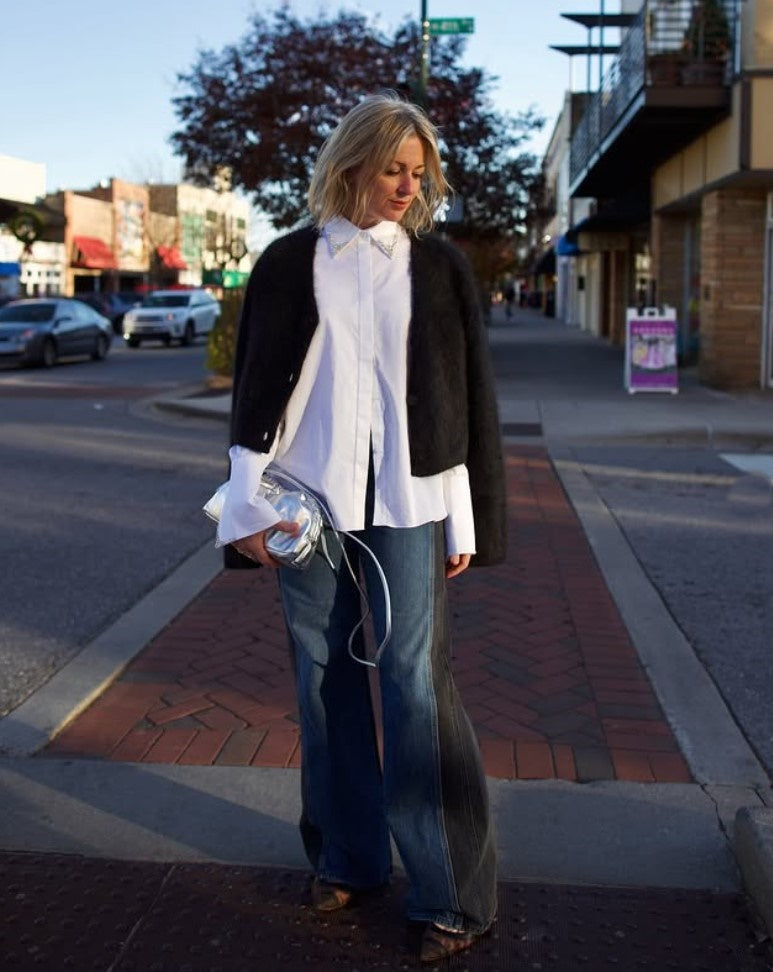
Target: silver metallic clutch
292,501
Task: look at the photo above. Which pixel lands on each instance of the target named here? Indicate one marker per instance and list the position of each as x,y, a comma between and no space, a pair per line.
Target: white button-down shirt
351,393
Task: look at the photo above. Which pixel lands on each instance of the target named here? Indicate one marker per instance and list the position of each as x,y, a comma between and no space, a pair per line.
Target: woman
362,370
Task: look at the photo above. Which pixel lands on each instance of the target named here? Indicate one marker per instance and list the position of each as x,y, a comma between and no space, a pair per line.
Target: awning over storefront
171,258
566,247
93,254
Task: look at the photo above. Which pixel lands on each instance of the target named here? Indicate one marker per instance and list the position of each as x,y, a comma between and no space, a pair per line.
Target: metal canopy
574,49
601,20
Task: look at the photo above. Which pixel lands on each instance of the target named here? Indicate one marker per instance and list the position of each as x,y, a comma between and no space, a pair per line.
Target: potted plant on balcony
706,43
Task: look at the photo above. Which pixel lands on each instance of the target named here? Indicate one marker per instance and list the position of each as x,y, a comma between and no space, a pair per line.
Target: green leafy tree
263,105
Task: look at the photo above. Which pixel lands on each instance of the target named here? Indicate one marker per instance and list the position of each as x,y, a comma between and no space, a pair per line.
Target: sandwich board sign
650,350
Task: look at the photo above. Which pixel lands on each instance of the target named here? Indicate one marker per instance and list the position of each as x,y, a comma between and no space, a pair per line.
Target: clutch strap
339,534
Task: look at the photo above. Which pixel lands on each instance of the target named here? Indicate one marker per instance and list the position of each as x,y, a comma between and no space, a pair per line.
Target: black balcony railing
674,43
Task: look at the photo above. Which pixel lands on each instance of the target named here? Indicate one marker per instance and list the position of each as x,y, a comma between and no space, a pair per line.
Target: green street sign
451,25
224,278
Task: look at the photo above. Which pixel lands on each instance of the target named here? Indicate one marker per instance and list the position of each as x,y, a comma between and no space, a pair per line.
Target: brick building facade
681,168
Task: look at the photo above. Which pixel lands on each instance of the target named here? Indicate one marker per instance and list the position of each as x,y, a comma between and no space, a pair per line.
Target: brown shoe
440,943
329,897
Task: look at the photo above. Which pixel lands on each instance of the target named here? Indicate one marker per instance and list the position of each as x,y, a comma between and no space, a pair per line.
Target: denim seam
468,788
447,862
324,862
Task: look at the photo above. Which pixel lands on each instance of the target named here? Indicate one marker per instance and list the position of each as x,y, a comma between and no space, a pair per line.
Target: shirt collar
339,233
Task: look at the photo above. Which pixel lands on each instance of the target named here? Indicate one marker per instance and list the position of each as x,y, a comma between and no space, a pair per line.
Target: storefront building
560,252
117,237
129,205
677,149
212,225
712,206
88,239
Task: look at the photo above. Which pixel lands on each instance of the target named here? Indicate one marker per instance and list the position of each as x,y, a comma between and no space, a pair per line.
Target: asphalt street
703,532
101,499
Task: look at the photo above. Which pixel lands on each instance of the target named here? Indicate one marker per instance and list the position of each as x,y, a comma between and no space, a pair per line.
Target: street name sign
451,25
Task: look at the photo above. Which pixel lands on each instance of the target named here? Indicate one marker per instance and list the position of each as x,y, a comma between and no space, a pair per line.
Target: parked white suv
166,315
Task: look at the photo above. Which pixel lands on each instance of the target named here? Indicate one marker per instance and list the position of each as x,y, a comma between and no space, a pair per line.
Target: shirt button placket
365,314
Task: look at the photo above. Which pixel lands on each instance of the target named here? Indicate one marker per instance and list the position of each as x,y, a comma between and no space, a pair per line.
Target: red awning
93,253
171,258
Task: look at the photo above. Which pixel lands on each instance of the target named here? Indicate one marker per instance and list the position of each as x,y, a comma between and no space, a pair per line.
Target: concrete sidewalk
561,816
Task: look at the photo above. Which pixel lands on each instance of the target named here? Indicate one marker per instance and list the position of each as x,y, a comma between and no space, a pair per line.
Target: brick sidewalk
544,664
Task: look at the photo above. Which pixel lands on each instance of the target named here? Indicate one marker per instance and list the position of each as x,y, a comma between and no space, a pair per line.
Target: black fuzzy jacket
452,412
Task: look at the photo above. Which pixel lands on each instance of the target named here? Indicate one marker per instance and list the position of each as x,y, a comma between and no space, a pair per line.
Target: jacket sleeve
247,356
281,282
246,349
484,456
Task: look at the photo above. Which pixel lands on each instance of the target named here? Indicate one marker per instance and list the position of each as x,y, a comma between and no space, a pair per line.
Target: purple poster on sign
651,355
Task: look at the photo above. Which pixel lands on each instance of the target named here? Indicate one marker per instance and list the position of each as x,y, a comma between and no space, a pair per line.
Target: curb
753,832
712,743
220,412
601,834
31,725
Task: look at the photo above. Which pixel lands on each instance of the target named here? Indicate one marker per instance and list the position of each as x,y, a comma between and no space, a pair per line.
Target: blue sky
88,83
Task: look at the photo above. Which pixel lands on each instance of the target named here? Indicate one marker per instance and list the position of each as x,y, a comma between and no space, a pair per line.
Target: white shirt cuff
244,511
459,524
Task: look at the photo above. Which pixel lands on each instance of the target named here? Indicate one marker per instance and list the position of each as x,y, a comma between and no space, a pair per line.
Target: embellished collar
339,233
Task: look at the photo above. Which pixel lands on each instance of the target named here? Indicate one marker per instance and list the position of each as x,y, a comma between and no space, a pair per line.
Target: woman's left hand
456,563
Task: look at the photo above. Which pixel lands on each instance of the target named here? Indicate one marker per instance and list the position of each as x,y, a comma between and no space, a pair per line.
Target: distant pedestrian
362,369
509,298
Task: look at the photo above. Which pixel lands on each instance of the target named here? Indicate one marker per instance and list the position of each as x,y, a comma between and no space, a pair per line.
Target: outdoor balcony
669,83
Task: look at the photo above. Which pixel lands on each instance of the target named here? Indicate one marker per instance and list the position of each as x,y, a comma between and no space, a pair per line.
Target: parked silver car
40,330
165,315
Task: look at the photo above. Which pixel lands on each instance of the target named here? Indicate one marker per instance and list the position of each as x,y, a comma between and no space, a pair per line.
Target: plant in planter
706,43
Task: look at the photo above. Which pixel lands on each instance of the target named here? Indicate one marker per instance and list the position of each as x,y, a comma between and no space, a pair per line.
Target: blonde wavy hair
365,143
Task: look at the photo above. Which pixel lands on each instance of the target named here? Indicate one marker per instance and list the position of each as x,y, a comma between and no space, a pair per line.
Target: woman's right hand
254,546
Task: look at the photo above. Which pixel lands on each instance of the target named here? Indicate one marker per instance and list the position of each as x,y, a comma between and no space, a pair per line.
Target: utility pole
424,65
438,25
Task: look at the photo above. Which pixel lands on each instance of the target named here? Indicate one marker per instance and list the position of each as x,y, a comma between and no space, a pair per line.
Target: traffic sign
451,25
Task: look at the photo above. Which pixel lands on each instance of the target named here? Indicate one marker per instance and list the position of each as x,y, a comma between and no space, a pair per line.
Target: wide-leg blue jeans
431,795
